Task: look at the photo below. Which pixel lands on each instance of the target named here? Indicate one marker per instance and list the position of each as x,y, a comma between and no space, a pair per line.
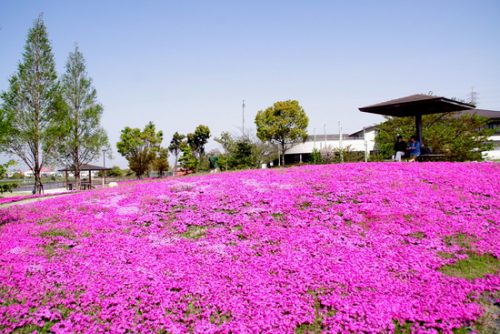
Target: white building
493,117
361,141
45,172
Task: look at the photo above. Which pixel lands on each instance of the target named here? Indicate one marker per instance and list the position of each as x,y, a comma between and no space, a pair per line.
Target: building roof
490,114
84,167
359,133
335,136
418,104
322,137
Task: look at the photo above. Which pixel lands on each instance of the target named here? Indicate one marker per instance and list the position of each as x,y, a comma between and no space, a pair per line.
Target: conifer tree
85,137
33,104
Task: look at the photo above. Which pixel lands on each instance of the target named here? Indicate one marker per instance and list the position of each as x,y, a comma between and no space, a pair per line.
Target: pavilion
83,168
416,106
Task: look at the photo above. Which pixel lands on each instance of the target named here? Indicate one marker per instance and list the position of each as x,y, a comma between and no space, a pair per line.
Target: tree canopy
32,105
5,126
160,164
458,137
243,152
198,139
188,161
284,123
140,148
4,187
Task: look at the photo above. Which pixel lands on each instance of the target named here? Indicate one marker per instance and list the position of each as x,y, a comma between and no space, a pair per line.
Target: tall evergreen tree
188,160
85,137
33,104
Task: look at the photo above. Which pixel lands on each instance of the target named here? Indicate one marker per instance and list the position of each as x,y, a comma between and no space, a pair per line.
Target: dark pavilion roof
83,168
418,104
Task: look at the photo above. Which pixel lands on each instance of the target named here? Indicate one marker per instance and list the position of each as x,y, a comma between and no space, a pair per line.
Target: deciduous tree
4,187
284,123
5,167
140,147
226,141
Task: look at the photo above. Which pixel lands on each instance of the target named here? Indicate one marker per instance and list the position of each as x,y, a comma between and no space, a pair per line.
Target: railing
46,185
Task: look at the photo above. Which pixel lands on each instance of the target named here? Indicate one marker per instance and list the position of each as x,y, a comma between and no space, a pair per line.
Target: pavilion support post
90,179
418,127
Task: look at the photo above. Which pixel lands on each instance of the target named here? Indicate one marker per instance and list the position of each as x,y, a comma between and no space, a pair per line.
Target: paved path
54,193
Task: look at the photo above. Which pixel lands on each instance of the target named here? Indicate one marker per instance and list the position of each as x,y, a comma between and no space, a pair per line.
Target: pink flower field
348,248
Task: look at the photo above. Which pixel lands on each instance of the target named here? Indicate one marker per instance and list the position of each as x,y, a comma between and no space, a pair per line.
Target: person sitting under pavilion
399,148
413,148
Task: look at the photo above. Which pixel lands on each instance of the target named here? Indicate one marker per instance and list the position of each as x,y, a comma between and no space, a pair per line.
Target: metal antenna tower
473,96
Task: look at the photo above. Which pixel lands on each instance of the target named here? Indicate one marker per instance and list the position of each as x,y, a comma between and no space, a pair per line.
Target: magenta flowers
338,248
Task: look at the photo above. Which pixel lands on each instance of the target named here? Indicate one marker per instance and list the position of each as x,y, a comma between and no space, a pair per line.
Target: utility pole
104,165
473,97
314,135
366,144
340,143
243,118
324,132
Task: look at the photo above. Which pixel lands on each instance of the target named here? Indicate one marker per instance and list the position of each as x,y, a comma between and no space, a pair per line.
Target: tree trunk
76,156
175,164
38,187
77,178
283,154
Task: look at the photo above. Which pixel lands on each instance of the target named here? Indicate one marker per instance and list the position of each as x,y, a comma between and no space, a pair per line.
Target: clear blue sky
184,63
